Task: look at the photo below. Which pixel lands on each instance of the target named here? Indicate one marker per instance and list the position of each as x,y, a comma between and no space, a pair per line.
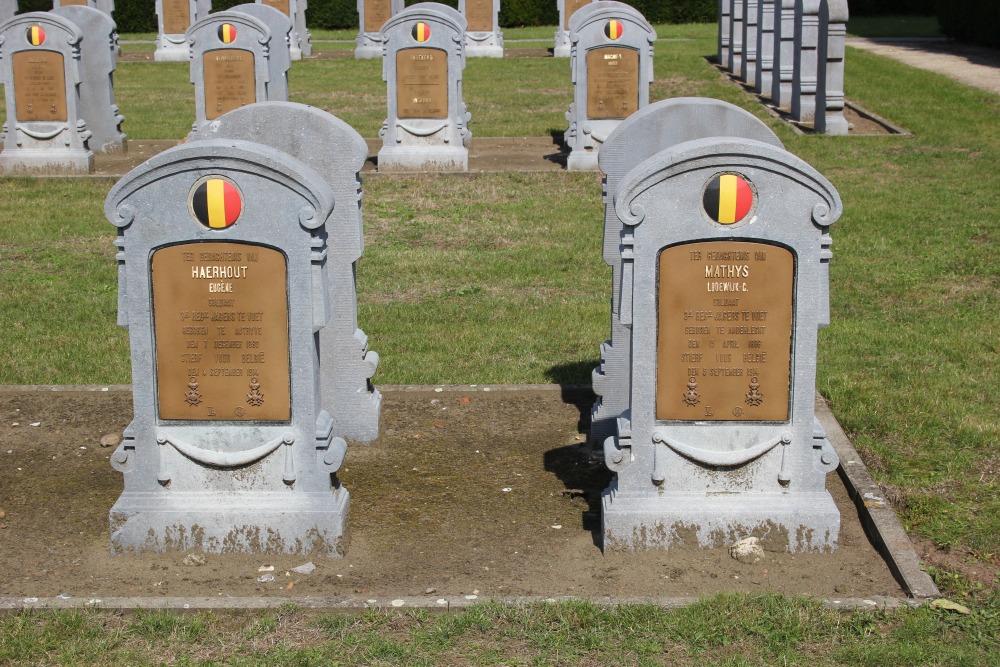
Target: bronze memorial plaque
39,85
220,318
66,3
612,82
479,14
421,83
724,336
176,16
230,81
377,12
280,5
571,7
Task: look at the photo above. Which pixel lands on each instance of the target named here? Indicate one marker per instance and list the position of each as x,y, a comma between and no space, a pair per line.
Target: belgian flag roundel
36,35
614,29
421,31
227,33
216,202
728,198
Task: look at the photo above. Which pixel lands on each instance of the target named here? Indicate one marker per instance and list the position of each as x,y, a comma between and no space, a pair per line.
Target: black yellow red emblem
227,33
216,203
614,29
421,31
36,35
728,198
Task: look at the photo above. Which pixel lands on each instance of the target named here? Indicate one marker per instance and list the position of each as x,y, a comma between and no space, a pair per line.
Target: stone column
830,86
805,60
736,37
784,49
765,47
725,13
748,70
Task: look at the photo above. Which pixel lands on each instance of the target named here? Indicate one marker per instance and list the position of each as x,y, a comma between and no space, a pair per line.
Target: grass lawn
497,278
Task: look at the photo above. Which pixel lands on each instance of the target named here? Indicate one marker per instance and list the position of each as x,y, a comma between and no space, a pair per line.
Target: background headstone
223,286
372,15
427,128
279,54
725,14
829,119
173,18
295,10
7,9
40,71
97,68
765,48
483,37
805,61
106,6
567,8
640,136
337,152
612,67
783,68
727,238
748,66
735,37
231,65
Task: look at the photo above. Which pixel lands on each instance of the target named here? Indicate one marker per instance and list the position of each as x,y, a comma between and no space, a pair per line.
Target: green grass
724,630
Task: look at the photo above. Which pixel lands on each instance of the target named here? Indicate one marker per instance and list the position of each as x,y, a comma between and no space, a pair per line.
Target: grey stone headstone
748,66
279,52
223,287
243,62
97,67
736,37
765,47
805,61
106,6
592,40
369,40
645,133
171,46
729,288
7,9
47,132
337,152
427,128
295,12
482,40
829,119
567,8
784,53
725,15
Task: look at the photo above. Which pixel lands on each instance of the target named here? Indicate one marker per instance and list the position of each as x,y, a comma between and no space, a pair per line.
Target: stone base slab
53,160
423,158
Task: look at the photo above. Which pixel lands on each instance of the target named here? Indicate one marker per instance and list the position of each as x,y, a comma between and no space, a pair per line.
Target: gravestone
40,71
829,118
748,65
173,18
643,134
97,67
736,37
337,152
427,128
295,12
725,14
372,15
483,37
612,65
567,8
805,61
279,55
784,53
106,6
232,63
727,251
765,48
7,9
222,285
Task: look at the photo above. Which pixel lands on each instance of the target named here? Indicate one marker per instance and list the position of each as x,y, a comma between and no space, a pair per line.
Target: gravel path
972,65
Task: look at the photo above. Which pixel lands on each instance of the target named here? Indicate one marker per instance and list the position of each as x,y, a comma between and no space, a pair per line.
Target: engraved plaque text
571,7
280,5
376,14
66,3
612,82
479,14
230,81
421,83
39,85
220,317
176,16
724,332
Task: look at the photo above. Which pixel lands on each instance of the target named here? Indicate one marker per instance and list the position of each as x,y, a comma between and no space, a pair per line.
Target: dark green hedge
976,21
899,7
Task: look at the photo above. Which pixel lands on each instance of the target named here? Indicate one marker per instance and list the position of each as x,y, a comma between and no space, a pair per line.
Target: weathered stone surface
483,37
173,18
567,8
372,15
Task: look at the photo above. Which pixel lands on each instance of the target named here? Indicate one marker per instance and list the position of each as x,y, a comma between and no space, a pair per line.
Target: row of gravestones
237,286
791,52
241,56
